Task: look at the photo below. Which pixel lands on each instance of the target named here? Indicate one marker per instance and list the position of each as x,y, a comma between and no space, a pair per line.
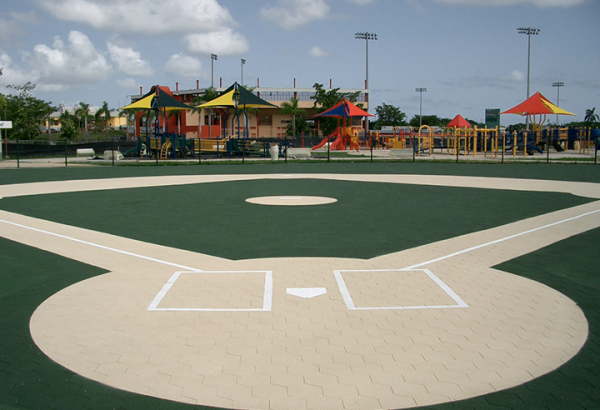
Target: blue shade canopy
344,109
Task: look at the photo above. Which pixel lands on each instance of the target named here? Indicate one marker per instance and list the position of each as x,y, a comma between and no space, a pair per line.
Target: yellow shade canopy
142,104
158,100
237,96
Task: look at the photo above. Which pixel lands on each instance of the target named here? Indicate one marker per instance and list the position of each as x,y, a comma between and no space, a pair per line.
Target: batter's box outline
350,303
267,296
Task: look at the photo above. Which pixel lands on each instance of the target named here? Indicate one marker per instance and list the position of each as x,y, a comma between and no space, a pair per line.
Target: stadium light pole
558,85
420,91
243,62
366,36
530,32
213,57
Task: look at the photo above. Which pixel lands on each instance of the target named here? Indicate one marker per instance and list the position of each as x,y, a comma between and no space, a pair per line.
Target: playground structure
345,138
172,146
489,142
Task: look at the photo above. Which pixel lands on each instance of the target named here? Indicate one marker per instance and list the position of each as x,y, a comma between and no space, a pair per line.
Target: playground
300,286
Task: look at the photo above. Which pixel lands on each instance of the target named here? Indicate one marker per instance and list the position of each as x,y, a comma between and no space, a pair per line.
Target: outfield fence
458,145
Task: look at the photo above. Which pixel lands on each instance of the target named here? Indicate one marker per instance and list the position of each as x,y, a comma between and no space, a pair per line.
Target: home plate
306,293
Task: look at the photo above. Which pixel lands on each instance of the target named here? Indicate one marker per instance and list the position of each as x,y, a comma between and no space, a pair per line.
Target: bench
298,152
85,152
109,155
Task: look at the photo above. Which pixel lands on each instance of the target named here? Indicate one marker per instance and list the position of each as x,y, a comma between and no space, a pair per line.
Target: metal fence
481,145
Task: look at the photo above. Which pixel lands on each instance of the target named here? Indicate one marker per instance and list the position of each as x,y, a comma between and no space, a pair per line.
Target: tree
327,99
68,126
431,120
292,109
389,115
103,114
26,112
591,116
83,113
302,127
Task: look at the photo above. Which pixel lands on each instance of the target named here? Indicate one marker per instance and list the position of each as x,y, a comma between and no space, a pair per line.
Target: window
265,120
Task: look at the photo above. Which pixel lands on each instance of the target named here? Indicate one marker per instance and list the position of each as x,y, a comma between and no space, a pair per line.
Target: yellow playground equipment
473,140
210,145
161,148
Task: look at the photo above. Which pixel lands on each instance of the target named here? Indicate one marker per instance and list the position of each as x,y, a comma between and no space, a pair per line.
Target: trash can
274,151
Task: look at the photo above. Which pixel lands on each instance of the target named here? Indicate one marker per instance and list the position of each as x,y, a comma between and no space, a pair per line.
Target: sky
468,54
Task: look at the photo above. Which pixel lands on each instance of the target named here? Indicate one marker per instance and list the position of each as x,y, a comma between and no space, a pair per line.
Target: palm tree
591,116
104,111
68,126
130,116
293,109
83,112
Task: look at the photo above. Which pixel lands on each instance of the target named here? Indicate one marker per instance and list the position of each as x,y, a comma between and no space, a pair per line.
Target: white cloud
222,42
361,2
292,14
128,83
499,3
128,60
142,16
59,66
317,51
185,66
73,63
516,75
12,74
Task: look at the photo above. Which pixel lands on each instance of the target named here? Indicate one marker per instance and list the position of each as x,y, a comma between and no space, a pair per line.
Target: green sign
492,118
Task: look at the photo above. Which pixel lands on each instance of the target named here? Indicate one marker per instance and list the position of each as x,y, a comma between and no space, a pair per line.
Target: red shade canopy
537,104
344,109
459,122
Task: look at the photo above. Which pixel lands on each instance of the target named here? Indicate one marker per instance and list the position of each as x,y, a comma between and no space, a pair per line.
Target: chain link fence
483,145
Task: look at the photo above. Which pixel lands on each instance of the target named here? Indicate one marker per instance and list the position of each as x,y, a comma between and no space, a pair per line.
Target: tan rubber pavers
422,326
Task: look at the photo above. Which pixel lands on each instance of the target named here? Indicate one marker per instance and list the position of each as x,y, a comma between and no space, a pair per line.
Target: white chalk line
267,294
451,255
268,282
135,255
350,302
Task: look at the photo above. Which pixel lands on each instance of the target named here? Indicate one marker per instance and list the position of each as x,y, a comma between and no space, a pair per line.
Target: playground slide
320,144
335,133
534,148
339,143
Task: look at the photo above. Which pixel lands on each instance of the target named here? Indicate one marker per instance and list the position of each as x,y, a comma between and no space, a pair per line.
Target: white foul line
351,306
135,255
267,296
451,255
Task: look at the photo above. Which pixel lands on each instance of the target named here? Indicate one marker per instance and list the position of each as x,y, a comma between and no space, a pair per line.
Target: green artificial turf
571,267
560,172
28,378
368,219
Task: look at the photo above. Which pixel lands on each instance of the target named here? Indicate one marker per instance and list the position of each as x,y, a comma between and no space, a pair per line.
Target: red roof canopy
344,109
459,122
537,104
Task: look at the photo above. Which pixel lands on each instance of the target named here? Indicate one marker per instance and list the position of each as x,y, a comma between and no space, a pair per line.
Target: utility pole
530,32
420,91
366,36
213,57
